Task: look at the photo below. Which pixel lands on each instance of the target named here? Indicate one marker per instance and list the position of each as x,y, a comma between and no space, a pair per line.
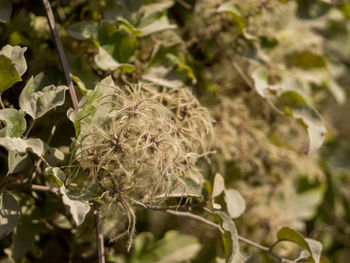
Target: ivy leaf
9,214
37,100
234,202
21,146
16,162
83,30
172,248
16,54
229,237
78,208
235,11
5,10
14,121
314,124
8,73
219,185
312,246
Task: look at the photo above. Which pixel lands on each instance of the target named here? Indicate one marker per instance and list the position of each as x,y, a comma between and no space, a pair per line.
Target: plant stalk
61,54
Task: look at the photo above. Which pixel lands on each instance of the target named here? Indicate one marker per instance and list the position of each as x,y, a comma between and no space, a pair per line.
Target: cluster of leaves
270,74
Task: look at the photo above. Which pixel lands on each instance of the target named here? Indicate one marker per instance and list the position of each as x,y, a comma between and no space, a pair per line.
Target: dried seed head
142,141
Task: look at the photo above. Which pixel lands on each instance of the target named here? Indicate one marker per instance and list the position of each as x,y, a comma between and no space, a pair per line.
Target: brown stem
62,56
99,234
34,187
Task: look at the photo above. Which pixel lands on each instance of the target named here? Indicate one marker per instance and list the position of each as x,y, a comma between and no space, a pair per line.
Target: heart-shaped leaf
16,54
37,100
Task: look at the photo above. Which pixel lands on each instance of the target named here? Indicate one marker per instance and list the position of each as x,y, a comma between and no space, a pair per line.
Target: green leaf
37,100
83,30
132,30
78,208
229,237
16,54
235,11
14,122
219,185
57,174
5,10
17,162
117,42
314,123
234,202
173,248
9,214
21,146
24,236
106,62
81,85
312,246
8,73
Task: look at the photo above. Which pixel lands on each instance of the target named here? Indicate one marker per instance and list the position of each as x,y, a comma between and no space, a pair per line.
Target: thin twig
241,74
62,56
31,125
34,187
184,4
99,234
240,238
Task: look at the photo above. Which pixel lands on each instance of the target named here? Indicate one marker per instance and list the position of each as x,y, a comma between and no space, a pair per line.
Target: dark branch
62,56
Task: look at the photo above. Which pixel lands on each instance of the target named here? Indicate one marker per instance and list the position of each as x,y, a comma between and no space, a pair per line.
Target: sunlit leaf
16,54
8,73
21,146
37,100
219,185
229,237
234,202
314,123
5,10
14,122
9,214
78,208
312,246
160,24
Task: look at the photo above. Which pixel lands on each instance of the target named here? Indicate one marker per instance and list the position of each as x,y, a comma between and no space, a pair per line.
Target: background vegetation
206,131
